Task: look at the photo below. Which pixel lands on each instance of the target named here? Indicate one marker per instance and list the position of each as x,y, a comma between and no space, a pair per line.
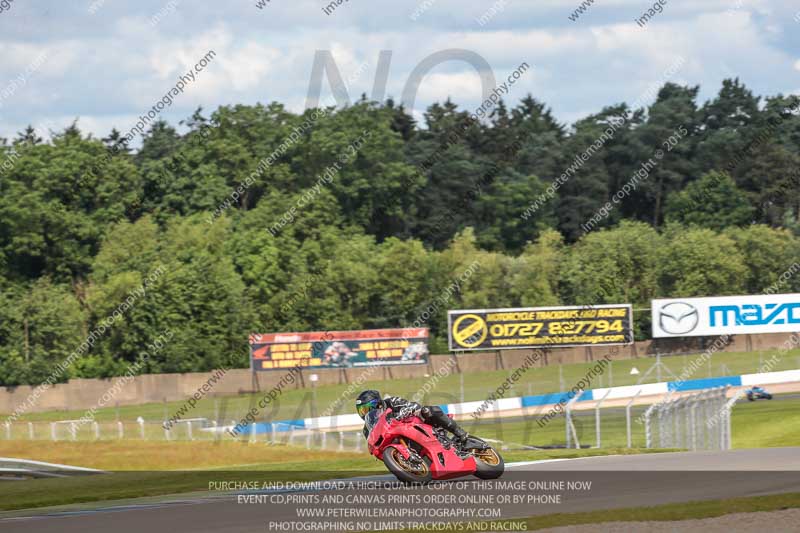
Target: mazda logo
677,318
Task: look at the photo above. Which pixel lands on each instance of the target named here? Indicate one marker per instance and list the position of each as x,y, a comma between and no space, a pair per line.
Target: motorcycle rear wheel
403,470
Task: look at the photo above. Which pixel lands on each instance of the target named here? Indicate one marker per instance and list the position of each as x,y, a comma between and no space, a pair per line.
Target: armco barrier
511,405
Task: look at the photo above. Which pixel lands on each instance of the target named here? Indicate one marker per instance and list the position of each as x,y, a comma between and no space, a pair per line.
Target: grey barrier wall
79,394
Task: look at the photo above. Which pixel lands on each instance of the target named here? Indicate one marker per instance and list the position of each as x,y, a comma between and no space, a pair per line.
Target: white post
628,416
53,431
120,430
30,430
291,435
96,430
324,439
72,430
8,430
189,430
648,428
341,441
358,442
167,433
308,440
141,428
274,432
569,424
597,416
252,432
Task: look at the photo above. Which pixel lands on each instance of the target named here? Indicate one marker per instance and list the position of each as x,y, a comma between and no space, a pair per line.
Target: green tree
699,262
42,324
769,255
714,201
615,265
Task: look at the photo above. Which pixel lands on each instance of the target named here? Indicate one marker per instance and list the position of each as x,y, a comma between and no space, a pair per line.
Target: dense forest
254,218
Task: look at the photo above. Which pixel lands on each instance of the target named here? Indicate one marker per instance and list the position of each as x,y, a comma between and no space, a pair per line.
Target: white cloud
121,64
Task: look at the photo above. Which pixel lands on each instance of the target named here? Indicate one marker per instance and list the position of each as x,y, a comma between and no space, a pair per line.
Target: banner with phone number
339,349
534,327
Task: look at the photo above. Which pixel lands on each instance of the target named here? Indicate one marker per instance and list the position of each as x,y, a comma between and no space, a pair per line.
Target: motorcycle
757,393
416,452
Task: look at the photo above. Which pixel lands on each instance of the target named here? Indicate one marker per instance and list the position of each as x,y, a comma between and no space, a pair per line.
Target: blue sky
105,62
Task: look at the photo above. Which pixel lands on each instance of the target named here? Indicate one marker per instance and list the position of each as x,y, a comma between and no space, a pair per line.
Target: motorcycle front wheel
404,470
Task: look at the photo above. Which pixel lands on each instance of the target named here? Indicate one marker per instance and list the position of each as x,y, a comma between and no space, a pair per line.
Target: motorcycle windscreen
371,420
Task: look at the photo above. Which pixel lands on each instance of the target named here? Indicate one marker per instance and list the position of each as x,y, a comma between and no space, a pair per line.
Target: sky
106,62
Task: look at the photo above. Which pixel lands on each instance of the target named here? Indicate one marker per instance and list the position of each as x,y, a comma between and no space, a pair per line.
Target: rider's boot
460,435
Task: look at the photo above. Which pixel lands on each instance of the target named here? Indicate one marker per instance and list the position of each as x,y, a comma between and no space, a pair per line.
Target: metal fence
698,421
199,429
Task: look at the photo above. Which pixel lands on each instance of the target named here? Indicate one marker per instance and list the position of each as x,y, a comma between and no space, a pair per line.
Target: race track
617,482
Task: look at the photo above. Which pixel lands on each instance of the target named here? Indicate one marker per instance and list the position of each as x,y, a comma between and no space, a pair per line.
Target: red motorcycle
416,452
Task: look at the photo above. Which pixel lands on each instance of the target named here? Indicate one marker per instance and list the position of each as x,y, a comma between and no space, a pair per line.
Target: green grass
301,403
140,482
668,512
759,424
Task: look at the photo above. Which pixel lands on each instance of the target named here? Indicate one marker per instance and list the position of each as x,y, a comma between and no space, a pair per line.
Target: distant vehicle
757,393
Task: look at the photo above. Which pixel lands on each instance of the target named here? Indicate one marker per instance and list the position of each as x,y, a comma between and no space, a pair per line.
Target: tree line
251,230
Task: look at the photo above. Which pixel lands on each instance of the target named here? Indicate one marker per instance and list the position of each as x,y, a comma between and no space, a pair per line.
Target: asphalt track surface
624,481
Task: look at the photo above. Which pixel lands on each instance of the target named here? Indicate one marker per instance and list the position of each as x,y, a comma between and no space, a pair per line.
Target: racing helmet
367,401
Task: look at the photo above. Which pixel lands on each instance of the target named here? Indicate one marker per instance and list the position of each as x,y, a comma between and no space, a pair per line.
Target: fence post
72,430
252,432
341,441
597,416
120,430
30,430
693,423
53,431
96,430
648,430
569,424
141,429
8,430
628,416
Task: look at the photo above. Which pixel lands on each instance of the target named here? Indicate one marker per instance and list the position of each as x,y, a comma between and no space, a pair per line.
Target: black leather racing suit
431,414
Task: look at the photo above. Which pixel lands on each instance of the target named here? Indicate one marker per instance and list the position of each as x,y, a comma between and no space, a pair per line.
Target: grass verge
245,462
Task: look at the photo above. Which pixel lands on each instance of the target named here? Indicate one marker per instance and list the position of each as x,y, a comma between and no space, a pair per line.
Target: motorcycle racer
402,408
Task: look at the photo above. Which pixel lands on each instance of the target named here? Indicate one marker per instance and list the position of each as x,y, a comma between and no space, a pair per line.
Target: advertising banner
721,315
339,349
534,327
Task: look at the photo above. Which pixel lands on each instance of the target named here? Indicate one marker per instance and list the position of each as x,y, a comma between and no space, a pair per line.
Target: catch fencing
700,421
